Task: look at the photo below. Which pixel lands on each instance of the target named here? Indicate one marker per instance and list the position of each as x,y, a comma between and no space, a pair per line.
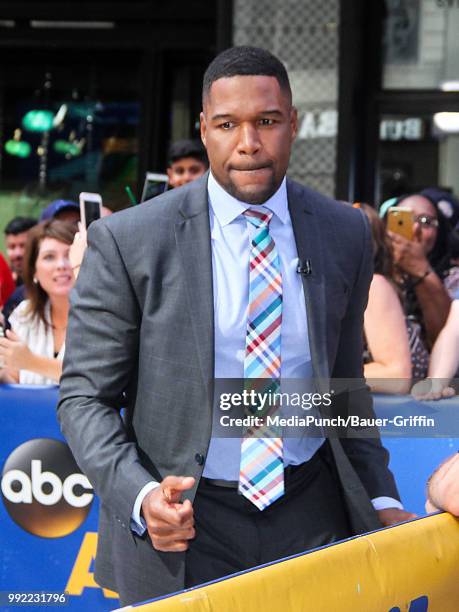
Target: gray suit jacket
141,336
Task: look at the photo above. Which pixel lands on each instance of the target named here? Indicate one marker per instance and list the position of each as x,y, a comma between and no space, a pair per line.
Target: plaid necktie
261,477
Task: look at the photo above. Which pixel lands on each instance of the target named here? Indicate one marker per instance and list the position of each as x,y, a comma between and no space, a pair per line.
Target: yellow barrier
415,564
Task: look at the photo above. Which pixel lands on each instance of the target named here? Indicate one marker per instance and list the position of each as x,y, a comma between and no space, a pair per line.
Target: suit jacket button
199,459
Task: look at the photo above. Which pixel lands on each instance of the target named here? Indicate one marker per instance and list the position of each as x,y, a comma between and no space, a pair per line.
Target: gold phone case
400,221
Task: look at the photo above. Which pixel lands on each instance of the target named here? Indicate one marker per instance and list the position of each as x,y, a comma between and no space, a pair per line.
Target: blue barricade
416,450
51,545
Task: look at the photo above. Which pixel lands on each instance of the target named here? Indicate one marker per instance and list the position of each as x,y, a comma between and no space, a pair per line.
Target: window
421,46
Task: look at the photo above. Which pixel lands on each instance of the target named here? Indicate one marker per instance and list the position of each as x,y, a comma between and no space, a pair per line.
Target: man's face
185,170
248,126
15,247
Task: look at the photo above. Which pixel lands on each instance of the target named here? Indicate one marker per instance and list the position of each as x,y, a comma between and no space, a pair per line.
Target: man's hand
170,523
409,255
14,354
392,516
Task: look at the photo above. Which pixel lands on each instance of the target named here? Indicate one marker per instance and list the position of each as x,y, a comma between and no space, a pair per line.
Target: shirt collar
226,208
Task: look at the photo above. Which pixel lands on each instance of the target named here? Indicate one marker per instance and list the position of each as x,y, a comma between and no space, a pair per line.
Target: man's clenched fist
170,523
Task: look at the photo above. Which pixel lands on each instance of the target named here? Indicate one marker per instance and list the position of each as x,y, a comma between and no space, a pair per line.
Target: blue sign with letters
47,545
49,512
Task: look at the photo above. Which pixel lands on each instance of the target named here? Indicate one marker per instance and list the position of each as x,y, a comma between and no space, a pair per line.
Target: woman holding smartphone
422,263
32,350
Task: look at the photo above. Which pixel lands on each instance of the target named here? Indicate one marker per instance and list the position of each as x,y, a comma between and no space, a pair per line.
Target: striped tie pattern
261,477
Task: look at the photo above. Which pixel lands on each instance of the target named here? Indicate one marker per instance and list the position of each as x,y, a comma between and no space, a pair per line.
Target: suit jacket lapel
307,238
192,234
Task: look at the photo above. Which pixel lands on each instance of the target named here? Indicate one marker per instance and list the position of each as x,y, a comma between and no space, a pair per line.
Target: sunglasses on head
426,220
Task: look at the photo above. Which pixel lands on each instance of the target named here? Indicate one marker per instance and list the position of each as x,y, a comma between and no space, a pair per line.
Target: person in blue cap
64,210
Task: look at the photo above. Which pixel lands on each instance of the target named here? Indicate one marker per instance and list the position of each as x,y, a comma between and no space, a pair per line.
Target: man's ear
203,127
294,122
169,172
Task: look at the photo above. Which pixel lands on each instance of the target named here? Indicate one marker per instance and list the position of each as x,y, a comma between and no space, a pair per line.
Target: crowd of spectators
44,257
411,326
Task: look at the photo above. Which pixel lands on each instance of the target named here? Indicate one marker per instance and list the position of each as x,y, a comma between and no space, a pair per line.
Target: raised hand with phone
409,248
91,209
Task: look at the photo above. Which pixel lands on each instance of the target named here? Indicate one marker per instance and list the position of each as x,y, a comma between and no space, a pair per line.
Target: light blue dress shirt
230,241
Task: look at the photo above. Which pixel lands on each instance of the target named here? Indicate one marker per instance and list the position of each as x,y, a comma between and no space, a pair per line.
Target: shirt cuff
381,503
138,524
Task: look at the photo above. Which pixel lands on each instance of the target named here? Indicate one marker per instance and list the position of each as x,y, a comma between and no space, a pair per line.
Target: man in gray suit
163,307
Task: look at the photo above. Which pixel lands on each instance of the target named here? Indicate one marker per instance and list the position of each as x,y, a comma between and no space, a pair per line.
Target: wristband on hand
419,279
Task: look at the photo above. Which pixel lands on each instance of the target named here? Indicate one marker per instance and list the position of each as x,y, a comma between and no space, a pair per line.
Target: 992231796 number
31,598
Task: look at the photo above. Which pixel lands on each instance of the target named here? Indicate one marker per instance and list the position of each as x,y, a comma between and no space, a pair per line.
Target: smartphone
90,207
154,185
400,221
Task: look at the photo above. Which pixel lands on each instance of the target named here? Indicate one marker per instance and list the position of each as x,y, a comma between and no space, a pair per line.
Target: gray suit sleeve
100,360
367,455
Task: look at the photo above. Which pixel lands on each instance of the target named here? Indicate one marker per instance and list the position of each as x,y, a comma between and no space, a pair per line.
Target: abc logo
43,489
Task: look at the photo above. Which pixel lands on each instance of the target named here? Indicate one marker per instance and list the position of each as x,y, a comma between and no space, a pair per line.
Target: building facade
93,92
